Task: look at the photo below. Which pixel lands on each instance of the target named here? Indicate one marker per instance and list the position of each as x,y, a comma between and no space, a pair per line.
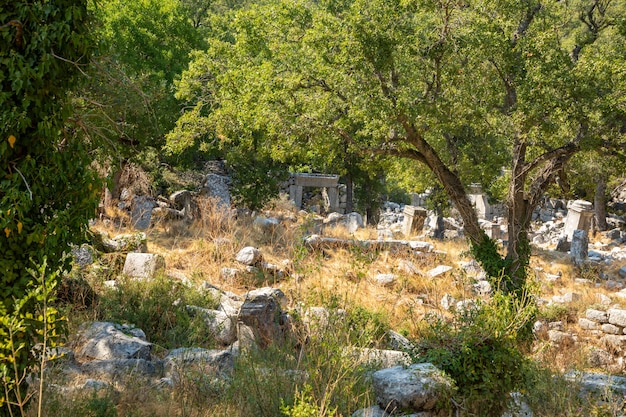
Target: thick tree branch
525,23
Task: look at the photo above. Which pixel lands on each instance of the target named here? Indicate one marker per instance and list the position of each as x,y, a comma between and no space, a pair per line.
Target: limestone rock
249,256
587,324
222,325
385,279
262,312
115,369
178,359
143,265
440,270
417,388
105,341
617,316
598,316
382,358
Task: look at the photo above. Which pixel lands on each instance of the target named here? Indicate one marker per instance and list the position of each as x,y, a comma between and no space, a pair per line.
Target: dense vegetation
511,94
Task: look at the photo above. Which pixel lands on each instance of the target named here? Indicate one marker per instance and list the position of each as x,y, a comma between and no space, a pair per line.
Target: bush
481,349
158,308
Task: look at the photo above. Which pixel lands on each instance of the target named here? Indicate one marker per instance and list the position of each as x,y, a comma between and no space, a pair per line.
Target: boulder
115,369
178,359
130,242
262,312
418,387
249,256
106,341
617,316
143,265
222,325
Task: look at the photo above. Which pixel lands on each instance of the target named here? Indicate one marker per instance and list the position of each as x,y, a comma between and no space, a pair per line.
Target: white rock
249,256
598,316
617,316
143,265
385,279
418,387
440,270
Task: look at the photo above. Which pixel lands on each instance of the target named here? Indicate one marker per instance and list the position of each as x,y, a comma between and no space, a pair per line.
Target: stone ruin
333,193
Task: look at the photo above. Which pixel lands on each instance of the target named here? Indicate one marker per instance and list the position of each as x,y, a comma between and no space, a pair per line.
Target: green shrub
157,306
481,350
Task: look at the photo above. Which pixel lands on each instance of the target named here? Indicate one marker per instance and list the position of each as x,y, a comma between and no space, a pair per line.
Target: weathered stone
376,411
611,329
617,316
381,358
141,212
599,357
567,298
518,407
622,272
217,186
265,224
399,342
579,248
249,256
229,273
447,301
482,287
385,279
418,388
556,325
104,341
318,319
440,270
557,336
587,324
131,242
83,255
178,359
182,202
598,316
579,216
599,385
414,218
143,265
613,342
262,312
119,368
354,222
222,325
408,267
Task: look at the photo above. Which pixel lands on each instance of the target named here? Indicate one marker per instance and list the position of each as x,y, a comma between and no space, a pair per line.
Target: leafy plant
32,319
158,307
480,350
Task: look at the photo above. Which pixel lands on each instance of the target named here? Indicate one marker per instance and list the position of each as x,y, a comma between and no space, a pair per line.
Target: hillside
332,297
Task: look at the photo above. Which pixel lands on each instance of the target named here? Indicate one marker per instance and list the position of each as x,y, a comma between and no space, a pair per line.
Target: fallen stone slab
222,325
440,270
316,242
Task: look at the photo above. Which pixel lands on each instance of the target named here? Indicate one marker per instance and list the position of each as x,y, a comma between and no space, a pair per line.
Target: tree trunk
600,203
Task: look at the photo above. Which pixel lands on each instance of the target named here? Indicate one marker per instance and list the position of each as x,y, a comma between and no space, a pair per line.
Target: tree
47,190
438,82
143,47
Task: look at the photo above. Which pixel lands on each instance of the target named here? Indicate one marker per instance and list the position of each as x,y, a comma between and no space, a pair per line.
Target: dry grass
346,278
